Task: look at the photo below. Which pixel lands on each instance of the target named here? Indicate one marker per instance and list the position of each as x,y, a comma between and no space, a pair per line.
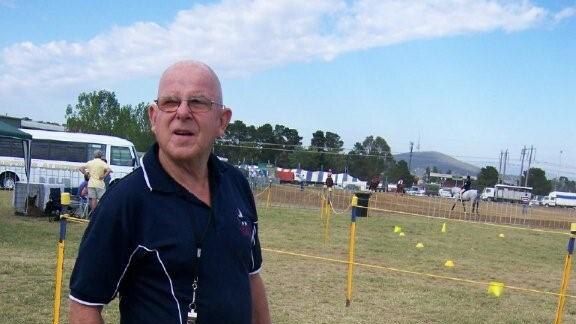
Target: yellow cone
449,264
501,235
401,234
419,245
496,288
397,229
444,228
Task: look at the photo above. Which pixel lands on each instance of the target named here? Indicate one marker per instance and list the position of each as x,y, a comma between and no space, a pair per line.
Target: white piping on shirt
145,174
255,272
124,272
169,279
80,301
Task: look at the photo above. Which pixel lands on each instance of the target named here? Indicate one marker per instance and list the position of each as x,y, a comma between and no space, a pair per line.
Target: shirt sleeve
104,255
256,250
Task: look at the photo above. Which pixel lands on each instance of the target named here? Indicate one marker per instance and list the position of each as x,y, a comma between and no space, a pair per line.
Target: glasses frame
198,99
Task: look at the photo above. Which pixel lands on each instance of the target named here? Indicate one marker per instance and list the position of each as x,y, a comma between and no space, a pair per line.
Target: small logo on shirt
245,227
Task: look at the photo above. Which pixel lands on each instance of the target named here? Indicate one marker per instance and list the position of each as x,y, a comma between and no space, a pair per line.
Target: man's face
183,135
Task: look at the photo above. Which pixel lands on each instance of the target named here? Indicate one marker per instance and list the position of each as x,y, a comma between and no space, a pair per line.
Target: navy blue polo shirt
141,245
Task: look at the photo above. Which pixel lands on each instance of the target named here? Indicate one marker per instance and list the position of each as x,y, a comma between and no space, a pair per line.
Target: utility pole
529,164
410,160
500,167
522,165
505,162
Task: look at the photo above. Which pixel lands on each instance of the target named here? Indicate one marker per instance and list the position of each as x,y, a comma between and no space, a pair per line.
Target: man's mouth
181,132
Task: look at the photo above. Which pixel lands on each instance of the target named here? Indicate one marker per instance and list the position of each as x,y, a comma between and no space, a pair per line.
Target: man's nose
183,111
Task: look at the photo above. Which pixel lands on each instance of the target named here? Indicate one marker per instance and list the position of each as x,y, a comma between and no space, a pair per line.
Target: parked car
415,191
536,201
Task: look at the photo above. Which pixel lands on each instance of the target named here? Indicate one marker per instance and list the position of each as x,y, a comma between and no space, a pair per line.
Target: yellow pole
351,250
565,276
59,271
322,206
350,262
268,196
327,223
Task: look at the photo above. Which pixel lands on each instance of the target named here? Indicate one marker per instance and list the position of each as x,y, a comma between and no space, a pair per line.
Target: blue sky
469,78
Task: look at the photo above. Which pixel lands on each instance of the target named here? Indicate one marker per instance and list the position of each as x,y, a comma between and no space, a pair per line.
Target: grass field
308,290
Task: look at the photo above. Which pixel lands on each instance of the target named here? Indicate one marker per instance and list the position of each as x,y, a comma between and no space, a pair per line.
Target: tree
95,112
333,143
371,157
99,112
537,180
400,171
487,177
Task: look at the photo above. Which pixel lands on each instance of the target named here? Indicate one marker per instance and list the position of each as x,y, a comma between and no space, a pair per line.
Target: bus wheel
8,180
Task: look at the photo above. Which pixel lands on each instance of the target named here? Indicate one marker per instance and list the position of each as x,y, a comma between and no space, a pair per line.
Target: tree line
99,112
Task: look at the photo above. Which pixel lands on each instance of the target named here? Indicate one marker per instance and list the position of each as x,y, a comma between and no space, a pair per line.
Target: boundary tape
422,274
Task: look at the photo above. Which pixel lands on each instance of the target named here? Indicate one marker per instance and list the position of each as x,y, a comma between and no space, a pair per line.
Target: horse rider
466,186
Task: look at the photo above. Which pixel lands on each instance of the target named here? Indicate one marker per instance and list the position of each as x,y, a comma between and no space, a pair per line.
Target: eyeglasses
195,104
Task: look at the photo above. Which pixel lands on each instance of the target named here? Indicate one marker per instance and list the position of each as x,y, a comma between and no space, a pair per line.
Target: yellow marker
501,235
419,245
449,264
401,234
495,288
444,228
397,229
354,201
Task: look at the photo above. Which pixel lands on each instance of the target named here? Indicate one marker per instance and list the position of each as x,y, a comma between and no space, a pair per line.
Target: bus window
93,148
76,152
40,149
11,147
120,155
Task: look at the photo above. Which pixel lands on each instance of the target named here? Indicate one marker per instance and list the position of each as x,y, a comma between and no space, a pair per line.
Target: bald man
177,239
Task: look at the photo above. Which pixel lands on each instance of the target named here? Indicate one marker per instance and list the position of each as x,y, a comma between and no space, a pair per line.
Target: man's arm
106,173
260,312
82,314
82,169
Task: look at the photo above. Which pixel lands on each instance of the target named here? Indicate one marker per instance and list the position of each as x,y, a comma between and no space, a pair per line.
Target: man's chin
184,154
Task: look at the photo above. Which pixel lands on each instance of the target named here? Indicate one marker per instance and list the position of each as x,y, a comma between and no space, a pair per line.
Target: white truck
502,192
560,199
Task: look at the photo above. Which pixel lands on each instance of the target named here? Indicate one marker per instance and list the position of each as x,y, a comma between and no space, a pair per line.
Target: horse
469,195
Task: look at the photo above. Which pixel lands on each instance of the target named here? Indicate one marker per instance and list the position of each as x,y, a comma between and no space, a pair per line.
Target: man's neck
192,175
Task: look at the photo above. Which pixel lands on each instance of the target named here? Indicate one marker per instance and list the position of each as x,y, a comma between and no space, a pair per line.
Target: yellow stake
563,289
59,270
268,197
327,222
565,275
350,262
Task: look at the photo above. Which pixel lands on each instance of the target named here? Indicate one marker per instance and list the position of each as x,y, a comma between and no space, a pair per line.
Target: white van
560,199
487,194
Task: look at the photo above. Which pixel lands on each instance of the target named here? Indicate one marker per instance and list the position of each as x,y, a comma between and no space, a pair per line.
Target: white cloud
241,37
565,14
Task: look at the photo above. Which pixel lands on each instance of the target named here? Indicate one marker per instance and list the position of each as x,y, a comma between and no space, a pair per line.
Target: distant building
27,123
448,180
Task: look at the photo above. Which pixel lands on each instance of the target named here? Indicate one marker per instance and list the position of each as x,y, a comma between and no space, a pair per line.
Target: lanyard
199,239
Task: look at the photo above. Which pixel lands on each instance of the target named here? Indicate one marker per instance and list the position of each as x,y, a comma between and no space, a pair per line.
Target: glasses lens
168,104
199,104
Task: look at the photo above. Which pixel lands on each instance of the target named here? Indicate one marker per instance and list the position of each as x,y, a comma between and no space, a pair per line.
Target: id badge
192,317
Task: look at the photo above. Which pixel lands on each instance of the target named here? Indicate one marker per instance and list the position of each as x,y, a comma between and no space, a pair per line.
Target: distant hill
444,163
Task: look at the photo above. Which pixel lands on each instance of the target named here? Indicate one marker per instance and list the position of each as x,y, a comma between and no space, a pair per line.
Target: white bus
56,157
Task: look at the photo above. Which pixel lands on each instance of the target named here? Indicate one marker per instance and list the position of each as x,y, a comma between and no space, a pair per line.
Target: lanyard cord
196,266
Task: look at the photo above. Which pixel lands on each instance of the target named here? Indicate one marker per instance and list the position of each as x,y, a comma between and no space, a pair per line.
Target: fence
430,206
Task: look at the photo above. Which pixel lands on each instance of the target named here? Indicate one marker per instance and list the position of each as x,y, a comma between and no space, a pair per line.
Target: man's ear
152,114
224,119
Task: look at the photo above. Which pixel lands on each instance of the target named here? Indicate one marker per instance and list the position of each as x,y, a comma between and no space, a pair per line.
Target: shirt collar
157,179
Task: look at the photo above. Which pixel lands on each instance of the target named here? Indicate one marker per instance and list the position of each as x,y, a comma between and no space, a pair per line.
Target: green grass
306,290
